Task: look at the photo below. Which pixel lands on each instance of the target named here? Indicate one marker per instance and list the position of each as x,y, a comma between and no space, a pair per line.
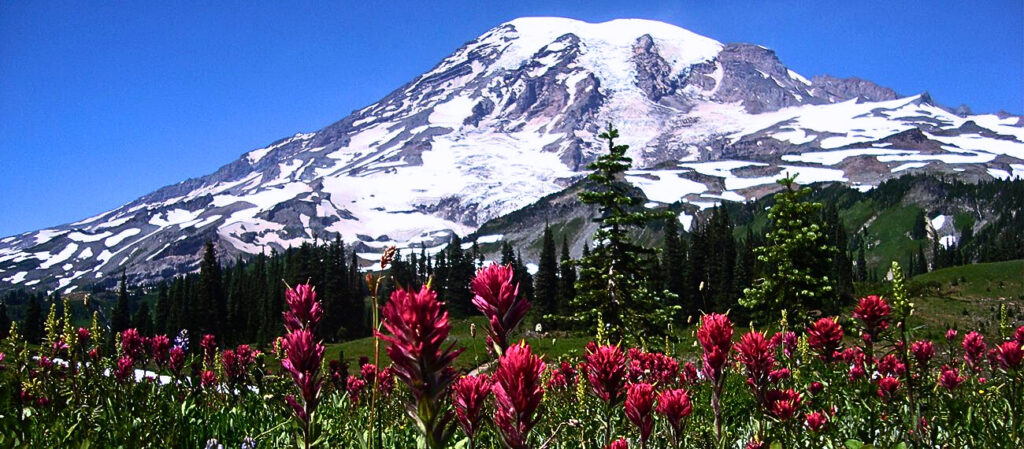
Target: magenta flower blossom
815,387
754,352
923,352
176,360
950,378
950,335
824,337
974,349
354,386
132,345
304,311
562,376
303,356
517,395
498,299
209,346
887,387
620,443
606,372
816,421
83,336
1018,336
783,404
651,367
715,336
1007,356
468,396
125,369
208,379
689,374
873,311
640,408
675,406
417,329
159,346
891,366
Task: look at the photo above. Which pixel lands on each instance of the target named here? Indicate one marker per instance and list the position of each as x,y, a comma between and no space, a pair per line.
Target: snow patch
117,239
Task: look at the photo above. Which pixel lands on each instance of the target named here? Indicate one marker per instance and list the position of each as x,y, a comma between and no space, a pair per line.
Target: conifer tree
120,318
566,279
546,289
33,324
797,259
674,259
211,304
143,320
862,264
612,283
163,308
5,320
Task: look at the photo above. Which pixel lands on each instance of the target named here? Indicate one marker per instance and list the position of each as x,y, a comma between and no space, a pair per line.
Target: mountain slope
512,116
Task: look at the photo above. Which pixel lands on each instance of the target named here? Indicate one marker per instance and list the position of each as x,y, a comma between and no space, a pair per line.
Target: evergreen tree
211,304
5,321
521,275
612,283
921,263
120,319
797,259
842,267
163,310
33,324
721,261
674,259
566,279
862,264
143,320
546,289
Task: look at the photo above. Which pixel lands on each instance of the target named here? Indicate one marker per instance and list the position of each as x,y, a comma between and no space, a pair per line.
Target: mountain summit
512,116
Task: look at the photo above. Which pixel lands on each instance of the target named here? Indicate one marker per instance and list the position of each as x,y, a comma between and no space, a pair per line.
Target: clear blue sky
102,102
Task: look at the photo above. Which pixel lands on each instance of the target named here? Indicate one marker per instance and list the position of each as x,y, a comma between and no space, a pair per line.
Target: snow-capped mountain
512,116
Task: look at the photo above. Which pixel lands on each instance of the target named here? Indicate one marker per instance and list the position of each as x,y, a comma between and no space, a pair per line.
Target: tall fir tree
797,258
33,324
5,320
211,304
613,283
142,321
546,287
566,279
120,318
674,259
163,308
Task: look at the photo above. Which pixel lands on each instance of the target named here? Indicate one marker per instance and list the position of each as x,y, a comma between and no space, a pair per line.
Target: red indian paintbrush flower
715,336
304,311
124,370
816,420
83,336
1007,356
758,359
606,372
950,335
950,378
517,395
208,379
887,387
824,337
354,386
783,404
303,355
651,367
176,360
874,312
815,387
132,344
160,345
689,374
675,406
417,329
890,365
209,345
234,370
620,443
639,409
498,299
923,352
468,396
562,376
974,349
1018,335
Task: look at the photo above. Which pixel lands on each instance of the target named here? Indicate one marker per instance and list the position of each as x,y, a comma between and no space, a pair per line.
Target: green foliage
797,259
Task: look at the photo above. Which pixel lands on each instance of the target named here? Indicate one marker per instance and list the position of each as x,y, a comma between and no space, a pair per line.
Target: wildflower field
864,383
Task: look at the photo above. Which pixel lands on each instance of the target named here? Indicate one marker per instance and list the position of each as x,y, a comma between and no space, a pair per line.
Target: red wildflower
756,444
209,345
304,311
1008,356
302,360
468,396
891,366
620,443
824,337
208,378
368,371
639,408
715,336
83,335
1018,335
923,352
950,378
245,354
354,386
780,374
815,388
517,394
974,349
874,312
386,381
338,370
887,387
125,369
950,335
176,360
498,299
783,404
94,353
562,376
651,367
132,344
754,352
606,372
159,346
789,342
417,329
675,406
689,374
816,421
234,370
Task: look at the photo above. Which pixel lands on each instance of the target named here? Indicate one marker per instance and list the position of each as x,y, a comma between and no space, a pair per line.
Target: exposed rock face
511,117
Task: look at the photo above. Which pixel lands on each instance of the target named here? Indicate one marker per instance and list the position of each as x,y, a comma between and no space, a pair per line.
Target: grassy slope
968,297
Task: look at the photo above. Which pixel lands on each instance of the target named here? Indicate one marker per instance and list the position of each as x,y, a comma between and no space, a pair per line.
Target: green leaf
775,445
854,444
